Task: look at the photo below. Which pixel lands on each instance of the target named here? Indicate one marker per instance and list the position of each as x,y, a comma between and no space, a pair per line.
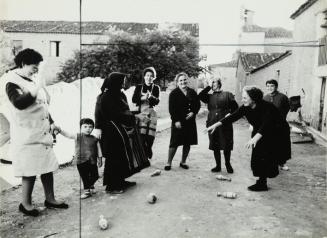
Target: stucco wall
252,38
41,42
273,49
305,60
227,76
284,66
242,78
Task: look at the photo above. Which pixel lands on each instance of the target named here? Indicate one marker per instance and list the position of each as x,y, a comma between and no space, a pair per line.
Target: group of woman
269,127
127,137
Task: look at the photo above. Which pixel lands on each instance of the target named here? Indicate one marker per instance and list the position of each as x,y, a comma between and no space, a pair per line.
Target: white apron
31,143
148,118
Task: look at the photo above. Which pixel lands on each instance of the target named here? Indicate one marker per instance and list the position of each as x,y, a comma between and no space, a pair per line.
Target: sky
219,20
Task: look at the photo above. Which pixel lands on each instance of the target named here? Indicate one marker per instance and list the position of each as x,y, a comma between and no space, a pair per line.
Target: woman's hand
189,115
145,97
178,125
54,129
253,141
213,127
97,133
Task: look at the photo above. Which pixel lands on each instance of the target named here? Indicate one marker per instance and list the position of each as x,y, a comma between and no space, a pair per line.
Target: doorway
322,121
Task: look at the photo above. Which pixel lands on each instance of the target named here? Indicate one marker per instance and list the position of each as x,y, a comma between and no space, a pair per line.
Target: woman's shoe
51,205
258,187
33,212
229,168
184,166
167,167
216,169
128,184
115,191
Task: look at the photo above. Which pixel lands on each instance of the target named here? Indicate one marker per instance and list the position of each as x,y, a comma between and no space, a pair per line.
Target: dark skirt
222,138
187,135
264,162
123,152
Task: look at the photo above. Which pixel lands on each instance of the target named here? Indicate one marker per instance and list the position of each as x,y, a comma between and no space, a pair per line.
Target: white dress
30,140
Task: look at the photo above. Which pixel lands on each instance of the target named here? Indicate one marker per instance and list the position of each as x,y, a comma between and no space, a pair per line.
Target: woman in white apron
31,130
146,97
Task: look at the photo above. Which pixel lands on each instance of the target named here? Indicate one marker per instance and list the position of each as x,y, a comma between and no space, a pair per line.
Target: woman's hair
27,57
152,70
218,81
254,93
179,75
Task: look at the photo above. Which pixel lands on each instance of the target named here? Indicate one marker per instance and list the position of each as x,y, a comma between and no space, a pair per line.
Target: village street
187,206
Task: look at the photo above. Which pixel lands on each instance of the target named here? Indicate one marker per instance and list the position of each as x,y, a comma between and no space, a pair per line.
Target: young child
87,152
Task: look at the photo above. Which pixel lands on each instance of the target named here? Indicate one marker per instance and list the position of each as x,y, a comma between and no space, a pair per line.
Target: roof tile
88,27
270,32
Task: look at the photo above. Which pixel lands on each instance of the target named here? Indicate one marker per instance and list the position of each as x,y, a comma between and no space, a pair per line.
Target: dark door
322,100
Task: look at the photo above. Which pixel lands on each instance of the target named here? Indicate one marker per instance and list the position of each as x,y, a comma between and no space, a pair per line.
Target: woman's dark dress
219,105
266,120
120,141
179,106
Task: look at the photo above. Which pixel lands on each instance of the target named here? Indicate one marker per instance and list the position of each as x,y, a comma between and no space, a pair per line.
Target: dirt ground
187,206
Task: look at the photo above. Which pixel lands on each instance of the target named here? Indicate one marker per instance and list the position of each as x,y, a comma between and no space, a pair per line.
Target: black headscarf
113,83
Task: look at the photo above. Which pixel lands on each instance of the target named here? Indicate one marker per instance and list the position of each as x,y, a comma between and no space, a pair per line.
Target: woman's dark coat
219,105
179,106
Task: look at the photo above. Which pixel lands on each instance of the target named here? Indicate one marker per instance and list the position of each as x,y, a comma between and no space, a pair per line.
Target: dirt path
187,206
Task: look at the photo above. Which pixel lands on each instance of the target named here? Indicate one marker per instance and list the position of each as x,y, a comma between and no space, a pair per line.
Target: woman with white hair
220,103
184,104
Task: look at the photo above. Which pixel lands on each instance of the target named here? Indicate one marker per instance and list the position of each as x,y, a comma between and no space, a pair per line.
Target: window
54,48
17,45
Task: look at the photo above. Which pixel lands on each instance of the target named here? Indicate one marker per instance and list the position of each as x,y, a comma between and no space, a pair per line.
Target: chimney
246,16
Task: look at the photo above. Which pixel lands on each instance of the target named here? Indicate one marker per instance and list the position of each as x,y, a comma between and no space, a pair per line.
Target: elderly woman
184,104
146,97
115,126
220,103
267,126
31,129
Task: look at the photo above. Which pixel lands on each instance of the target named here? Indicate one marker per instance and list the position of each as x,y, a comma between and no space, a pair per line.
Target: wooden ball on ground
151,198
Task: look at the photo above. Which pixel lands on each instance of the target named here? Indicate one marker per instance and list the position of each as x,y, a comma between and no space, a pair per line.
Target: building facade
310,63
257,68
227,74
58,40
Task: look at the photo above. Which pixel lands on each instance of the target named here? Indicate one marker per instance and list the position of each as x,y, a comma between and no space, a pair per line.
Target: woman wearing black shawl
119,141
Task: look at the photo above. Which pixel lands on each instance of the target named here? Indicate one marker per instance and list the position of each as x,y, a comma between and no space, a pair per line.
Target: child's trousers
89,173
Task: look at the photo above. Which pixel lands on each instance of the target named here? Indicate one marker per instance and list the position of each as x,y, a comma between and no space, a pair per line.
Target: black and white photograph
163,118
